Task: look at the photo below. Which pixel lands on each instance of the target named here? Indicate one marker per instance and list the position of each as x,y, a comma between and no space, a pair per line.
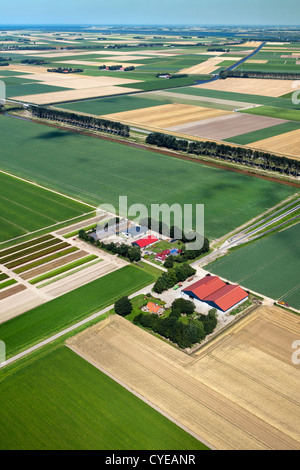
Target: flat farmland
41,322
266,133
79,94
287,144
25,208
62,393
226,126
275,112
91,169
268,266
167,115
254,86
111,105
206,391
234,96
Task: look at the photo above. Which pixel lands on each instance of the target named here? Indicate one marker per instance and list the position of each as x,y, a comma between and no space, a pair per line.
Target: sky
196,12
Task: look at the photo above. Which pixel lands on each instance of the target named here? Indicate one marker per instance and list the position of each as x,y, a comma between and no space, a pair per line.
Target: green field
243,97
279,113
98,171
269,266
32,327
261,134
31,89
26,208
60,401
112,104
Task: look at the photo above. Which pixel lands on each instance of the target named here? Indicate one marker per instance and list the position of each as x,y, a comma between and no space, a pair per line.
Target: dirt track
239,392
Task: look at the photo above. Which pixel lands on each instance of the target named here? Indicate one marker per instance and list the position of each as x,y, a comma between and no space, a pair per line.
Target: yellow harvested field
241,391
257,61
166,115
204,67
28,69
287,144
73,80
252,44
73,95
251,86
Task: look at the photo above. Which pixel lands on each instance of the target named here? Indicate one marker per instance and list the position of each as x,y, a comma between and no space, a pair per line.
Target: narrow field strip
25,330
28,251
63,269
8,283
42,261
34,256
68,273
52,265
12,291
22,246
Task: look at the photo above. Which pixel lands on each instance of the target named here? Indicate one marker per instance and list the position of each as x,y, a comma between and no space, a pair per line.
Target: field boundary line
47,189
145,400
44,228
203,160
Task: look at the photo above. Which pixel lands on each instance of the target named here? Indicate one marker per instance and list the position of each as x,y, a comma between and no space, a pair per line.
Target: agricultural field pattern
117,331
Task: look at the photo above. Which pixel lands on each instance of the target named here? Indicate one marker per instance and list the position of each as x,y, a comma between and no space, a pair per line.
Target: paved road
242,237
68,330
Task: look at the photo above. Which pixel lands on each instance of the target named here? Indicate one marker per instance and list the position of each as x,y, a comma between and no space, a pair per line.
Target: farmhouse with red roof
213,291
162,255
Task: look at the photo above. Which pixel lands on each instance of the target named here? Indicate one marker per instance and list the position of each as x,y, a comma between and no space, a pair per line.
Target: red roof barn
212,290
143,242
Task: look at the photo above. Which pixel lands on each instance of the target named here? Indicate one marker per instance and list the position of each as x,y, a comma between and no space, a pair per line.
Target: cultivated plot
26,208
268,266
251,86
227,126
167,115
206,391
98,171
74,395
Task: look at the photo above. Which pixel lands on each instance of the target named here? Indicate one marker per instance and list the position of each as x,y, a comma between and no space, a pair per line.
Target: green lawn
41,322
25,208
60,401
269,266
97,171
261,134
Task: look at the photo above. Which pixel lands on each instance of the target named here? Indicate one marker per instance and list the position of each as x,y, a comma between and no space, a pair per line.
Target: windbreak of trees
241,155
175,75
259,74
169,279
87,122
132,253
185,335
65,70
217,49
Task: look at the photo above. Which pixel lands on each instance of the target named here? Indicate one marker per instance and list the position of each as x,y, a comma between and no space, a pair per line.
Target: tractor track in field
169,153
